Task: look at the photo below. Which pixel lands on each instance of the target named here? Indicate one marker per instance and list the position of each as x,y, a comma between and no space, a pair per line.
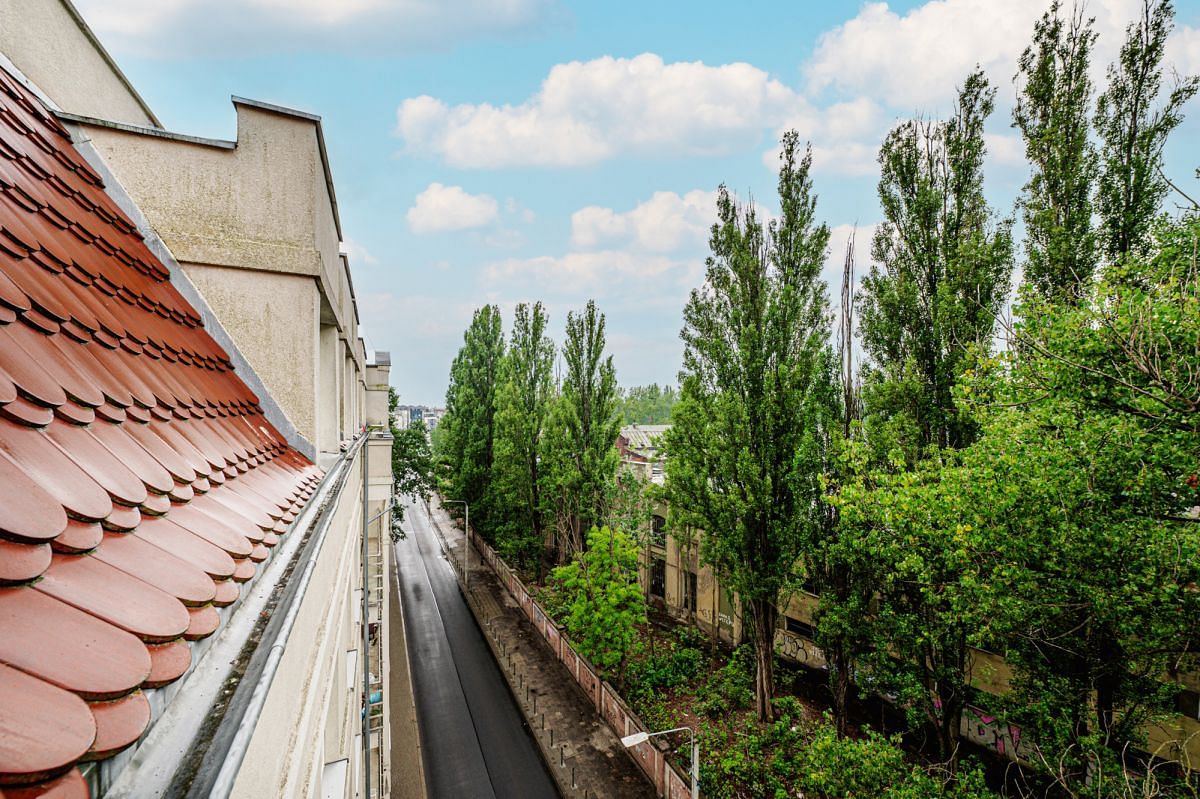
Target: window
689,591
801,628
658,578
658,531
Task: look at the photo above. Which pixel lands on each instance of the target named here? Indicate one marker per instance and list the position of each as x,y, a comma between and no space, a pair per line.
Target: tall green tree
1094,428
470,412
757,402
1133,132
522,402
580,454
412,462
941,274
1053,114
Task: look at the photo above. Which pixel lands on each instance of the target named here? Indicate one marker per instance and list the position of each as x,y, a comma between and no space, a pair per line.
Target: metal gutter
173,738
365,656
223,759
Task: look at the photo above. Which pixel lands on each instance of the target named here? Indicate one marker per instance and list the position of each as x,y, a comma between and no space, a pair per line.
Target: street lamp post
467,546
641,737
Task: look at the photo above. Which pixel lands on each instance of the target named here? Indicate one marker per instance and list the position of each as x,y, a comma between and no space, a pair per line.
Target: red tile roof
139,480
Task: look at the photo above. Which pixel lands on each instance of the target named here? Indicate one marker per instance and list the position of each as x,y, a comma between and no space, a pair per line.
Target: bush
730,687
838,768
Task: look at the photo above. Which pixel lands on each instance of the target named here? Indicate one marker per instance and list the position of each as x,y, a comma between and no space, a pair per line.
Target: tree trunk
949,731
763,617
839,678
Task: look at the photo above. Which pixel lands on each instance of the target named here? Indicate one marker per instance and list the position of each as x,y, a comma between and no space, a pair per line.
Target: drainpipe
366,625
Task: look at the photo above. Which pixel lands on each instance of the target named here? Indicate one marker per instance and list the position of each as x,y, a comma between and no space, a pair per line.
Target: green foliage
648,404
797,757
605,602
661,670
1133,132
470,413
412,462
730,687
580,457
839,768
749,435
921,528
1052,112
522,402
1086,474
940,276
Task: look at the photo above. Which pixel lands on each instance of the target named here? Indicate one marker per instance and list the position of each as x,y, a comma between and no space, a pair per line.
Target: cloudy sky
513,150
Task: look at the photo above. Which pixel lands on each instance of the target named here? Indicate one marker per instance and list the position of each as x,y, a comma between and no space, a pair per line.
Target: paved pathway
587,760
473,738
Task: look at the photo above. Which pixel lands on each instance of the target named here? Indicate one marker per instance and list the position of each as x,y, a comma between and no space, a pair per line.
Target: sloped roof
140,483
643,436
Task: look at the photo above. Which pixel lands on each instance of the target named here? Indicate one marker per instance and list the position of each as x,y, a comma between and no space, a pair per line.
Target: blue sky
514,150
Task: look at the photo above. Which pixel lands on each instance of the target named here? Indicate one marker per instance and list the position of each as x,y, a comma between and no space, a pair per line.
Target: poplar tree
522,402
757,402
581,436
1052,112
470,412
940,276
1132,132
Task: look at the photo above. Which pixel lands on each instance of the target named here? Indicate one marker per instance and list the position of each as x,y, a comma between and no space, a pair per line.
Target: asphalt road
473,738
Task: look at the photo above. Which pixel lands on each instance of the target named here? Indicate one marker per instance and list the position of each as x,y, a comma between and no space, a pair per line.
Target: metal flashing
66,116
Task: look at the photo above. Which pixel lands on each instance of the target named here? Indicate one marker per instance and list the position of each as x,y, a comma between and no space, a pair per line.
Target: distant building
639,445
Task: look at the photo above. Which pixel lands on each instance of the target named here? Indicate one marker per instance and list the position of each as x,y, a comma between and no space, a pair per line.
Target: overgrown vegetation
1024,485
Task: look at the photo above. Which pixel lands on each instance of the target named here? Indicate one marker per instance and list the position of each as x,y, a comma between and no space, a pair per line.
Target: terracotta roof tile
139,481
119,722
43,729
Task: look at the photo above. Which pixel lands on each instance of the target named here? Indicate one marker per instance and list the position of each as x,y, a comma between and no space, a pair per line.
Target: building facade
194,452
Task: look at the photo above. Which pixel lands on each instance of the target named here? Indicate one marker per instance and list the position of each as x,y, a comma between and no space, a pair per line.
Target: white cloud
1183,50
358,254
589,111
845,137
637,279
915,60
665,223
184,28
441,208
1005,149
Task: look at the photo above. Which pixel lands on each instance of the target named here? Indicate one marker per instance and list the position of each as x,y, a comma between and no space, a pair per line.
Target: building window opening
658,578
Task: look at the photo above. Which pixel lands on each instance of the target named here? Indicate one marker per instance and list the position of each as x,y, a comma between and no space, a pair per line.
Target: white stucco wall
46,42
253,222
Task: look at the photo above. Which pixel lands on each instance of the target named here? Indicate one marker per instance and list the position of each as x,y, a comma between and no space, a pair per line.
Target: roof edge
316,120
212,323
66,116
91,36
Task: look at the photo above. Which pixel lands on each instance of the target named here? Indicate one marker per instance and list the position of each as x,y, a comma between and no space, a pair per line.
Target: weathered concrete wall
273,318
254,222
46,41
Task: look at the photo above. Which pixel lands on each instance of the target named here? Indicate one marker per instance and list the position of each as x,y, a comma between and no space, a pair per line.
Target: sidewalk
585,757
